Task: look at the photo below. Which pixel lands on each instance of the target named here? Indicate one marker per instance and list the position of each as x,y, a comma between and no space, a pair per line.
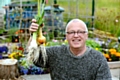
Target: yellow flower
65,41
106,55
15,55
117,54
112,50
96,49
110,59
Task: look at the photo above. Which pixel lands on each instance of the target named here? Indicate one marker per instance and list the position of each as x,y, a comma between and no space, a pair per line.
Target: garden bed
114,64
115,69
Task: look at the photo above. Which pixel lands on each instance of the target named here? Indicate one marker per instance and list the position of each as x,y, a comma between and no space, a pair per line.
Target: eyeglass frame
78,32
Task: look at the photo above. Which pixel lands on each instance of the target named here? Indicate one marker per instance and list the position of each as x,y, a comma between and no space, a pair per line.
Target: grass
107,13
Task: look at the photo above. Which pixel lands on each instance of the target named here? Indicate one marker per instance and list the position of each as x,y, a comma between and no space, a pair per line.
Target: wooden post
9,69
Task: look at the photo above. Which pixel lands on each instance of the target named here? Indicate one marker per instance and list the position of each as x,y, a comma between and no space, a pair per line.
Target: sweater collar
72,55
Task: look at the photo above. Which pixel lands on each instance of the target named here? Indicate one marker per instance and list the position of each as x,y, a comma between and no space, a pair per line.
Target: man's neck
78,51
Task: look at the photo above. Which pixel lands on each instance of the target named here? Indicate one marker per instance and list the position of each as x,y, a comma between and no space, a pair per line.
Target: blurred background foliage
107,13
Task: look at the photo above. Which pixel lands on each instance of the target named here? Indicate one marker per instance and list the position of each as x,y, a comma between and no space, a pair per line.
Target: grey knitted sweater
64,65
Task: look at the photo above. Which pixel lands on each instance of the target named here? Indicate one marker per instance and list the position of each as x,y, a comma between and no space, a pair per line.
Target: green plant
12,31
92,43
1,31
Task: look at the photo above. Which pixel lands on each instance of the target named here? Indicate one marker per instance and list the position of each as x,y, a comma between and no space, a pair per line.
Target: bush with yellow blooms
112,54
15,55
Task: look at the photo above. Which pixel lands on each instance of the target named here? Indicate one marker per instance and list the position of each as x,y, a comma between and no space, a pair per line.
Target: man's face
76,35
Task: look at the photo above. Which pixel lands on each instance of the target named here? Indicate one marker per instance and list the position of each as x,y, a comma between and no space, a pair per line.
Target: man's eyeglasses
78,32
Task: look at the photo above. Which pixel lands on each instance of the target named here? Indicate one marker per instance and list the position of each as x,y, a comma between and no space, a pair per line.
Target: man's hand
34,26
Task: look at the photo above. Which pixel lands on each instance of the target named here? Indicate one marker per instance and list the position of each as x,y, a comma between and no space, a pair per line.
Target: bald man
74,61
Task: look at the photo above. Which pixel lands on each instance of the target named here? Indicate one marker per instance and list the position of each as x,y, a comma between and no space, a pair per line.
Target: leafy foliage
92,43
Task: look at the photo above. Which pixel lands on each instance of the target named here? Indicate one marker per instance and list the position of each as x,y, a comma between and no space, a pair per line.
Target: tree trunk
9,69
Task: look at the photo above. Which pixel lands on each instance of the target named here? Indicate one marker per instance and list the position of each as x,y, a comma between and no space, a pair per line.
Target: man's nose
76,34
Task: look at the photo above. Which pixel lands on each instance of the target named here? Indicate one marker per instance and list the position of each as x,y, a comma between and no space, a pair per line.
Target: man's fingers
33,27
34,21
